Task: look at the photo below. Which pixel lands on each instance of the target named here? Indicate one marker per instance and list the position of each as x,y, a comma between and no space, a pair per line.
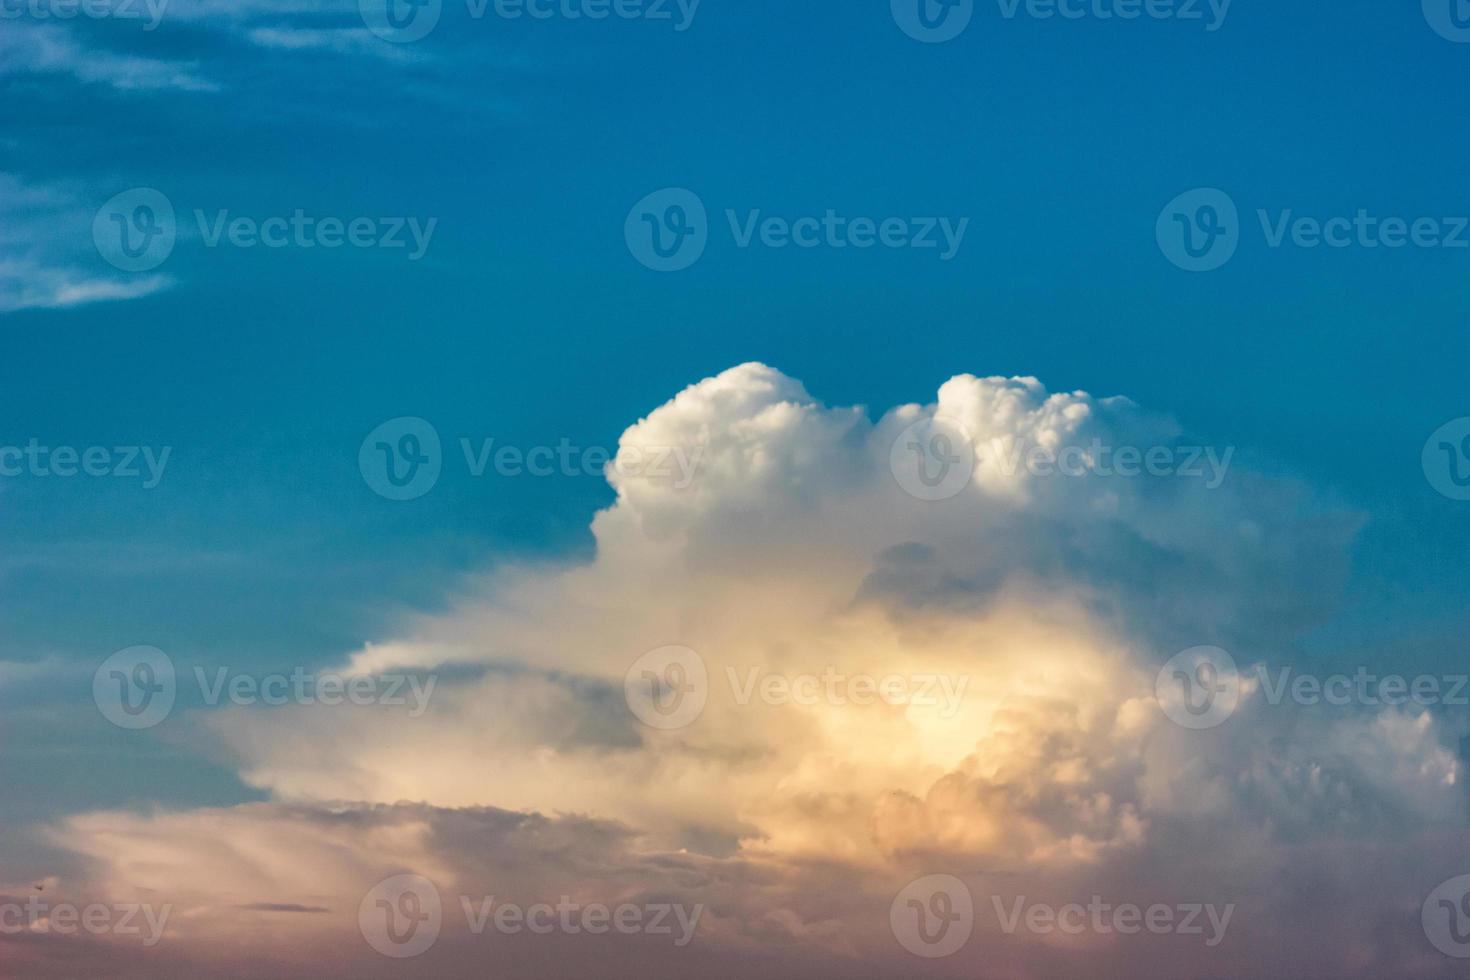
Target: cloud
244,10
795,551
26,285
337,40
48,49
47,260
30,46
1040,604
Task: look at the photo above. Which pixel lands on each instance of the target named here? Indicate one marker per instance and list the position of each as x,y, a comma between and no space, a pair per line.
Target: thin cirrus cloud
795,551
47,260
48,49
337,40
45,257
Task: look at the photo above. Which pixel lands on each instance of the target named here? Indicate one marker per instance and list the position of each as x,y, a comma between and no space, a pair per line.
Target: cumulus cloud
1040,606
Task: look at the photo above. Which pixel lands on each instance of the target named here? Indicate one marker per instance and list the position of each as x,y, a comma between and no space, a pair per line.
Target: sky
482,351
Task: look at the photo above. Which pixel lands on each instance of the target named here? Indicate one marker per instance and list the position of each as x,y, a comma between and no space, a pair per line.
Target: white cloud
48,49
339,40
47,258
795,551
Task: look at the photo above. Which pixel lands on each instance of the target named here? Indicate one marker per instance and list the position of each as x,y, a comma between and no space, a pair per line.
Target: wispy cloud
45,256
337,40
32,286
47,49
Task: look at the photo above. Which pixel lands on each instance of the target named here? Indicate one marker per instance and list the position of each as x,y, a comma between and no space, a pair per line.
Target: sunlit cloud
1024,619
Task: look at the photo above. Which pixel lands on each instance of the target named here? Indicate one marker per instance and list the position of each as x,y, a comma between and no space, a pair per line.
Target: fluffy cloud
1038,607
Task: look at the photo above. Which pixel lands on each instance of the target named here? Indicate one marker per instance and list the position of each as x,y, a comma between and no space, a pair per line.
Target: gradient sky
528,320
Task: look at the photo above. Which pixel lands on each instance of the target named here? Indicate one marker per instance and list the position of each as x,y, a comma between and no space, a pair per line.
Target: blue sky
528,320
